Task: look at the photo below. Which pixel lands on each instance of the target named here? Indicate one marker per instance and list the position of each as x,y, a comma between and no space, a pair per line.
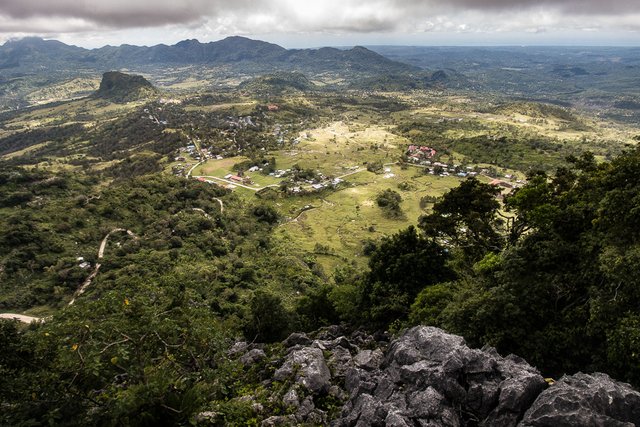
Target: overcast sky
312,23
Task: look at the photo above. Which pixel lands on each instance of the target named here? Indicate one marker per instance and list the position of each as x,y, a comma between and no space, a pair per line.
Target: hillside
422,80
278,83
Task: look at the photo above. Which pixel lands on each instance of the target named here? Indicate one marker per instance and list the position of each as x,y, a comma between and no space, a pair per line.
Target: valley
318,159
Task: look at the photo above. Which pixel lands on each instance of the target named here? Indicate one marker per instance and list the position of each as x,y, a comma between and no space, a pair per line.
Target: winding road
226,181
103,245
202,211
93,274
193,167
220,203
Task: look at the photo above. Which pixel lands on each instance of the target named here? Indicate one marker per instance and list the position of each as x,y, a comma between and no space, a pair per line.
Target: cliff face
425,377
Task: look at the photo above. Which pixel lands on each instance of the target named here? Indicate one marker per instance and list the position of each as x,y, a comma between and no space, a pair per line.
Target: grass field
345,219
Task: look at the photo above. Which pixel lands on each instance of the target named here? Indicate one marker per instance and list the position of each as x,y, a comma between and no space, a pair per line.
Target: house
254,169
273,107
236,178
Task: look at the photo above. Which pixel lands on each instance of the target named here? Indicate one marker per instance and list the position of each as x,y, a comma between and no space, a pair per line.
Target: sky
314,23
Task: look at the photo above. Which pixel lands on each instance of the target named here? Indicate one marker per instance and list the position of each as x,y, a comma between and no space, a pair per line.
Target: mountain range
29,54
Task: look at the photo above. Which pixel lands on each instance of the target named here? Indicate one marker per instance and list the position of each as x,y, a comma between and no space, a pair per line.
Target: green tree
268,321
400,267
389,201
465,219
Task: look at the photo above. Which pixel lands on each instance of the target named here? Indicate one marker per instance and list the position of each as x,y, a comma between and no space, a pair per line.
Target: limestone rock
340,361
368,359
296,339
429,377
291,398
238,348
252,356
309,368
585,400
288,420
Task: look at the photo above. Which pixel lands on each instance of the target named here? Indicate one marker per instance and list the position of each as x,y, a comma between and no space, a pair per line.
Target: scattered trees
389,201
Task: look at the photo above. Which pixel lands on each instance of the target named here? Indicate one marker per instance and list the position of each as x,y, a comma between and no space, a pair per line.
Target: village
243,142
297,181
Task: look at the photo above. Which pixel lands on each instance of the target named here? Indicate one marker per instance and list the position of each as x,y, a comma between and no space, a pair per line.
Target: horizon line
347,46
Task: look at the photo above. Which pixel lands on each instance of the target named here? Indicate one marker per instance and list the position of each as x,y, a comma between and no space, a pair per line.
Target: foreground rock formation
427,377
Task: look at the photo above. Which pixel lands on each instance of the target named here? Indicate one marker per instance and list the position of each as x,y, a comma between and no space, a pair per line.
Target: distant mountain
229,50
120,87
37,54
28,65
247,55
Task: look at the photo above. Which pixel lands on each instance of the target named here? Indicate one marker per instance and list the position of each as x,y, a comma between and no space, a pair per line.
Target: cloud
120,13
610,7
216,17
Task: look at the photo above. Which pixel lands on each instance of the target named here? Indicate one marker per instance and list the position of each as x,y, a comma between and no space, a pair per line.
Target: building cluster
444,169
240,122
284,134
245,180
313,186
420,153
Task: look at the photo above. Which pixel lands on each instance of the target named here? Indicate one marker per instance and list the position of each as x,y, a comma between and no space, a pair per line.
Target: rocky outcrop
426,377
429,377
120,87
585,400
